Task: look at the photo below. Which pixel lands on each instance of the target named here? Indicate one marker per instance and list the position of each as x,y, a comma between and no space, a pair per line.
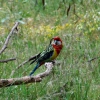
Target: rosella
47,55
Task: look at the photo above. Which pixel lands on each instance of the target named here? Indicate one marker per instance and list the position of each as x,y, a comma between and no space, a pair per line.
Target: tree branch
7,60
23,63
68,9
8,37
93,59
27,79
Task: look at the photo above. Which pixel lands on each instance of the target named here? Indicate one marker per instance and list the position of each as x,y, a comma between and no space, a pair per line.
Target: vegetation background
77,22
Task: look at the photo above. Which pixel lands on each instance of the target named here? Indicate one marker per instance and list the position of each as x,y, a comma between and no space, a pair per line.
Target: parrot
48,55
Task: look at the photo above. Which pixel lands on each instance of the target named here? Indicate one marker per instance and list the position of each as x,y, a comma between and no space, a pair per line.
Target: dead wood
8,37
23,63
27,79
7,60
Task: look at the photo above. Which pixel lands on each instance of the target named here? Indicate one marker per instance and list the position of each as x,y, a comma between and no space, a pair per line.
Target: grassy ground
76,78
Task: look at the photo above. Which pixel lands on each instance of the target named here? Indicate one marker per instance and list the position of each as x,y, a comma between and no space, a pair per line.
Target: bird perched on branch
47,55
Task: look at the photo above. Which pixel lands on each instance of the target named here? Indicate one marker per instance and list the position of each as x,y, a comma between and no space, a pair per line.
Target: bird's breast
54,55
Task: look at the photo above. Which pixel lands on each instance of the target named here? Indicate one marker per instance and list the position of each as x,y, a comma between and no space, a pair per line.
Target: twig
19,67
23,63
68,9
27,79
61,90
93,59
75,11
43,3
8,37
7,60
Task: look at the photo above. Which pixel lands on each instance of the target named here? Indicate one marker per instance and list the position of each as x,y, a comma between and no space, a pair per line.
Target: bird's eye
55,42
58,42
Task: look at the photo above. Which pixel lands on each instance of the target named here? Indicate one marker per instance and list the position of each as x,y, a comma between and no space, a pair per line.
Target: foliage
77,22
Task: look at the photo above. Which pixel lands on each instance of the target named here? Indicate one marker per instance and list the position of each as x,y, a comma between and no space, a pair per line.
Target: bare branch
93,59
23,63
18,81
27,79
7,60
43,3
68,9
49,67
8,37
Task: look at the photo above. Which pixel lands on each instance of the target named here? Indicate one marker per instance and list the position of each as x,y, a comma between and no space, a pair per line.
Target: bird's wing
46,54
43,56
34,58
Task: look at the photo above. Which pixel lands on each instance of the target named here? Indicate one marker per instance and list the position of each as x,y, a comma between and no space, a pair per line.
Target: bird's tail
34,69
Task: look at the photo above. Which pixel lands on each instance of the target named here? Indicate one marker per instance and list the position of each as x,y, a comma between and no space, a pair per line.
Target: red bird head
57,43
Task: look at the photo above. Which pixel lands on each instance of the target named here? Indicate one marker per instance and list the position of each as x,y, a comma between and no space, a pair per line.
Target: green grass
75,78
